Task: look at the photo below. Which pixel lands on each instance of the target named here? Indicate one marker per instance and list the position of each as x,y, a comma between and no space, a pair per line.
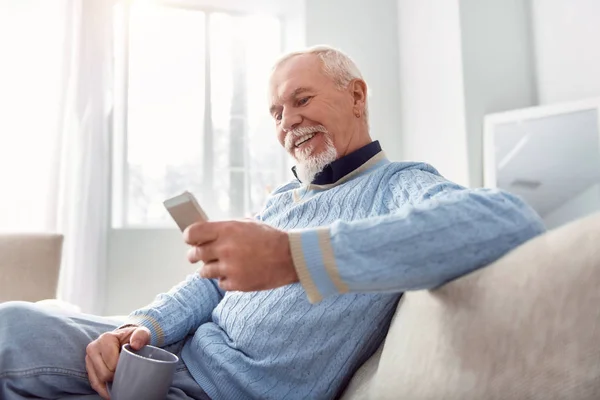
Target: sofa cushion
29,265
525,327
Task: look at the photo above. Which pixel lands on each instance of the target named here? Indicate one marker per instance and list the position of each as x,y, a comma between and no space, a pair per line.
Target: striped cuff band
315,264
157,336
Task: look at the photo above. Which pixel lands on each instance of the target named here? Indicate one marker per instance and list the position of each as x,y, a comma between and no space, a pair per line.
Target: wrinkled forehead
300,72
279,92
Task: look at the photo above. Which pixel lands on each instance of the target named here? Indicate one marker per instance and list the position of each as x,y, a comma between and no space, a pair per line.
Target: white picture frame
495,119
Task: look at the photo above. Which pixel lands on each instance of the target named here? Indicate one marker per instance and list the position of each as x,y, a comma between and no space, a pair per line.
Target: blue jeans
42,355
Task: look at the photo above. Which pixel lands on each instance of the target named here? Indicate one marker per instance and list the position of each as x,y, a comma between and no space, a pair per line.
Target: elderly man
290,305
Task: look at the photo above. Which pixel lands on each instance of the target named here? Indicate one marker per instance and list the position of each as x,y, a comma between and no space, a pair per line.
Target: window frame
291,16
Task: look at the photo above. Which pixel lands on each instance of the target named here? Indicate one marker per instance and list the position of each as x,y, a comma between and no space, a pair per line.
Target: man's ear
358,89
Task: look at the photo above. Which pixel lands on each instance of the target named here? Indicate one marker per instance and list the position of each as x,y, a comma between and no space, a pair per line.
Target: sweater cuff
315,263
157,336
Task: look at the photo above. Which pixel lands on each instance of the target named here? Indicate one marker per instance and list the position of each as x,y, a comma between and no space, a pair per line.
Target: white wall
432,113
143,263
585,203
459,60
365,30
566,36
498,67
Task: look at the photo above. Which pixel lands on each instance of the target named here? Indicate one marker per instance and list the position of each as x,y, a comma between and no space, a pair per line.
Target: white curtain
80,205
60,178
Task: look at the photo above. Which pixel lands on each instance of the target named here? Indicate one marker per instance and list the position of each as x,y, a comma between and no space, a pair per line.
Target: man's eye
277,117
303,101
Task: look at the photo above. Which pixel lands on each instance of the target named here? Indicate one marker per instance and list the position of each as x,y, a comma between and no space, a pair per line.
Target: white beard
309,166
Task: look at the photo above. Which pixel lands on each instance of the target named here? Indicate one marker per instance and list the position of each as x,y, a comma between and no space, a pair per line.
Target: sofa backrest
29,266
525,327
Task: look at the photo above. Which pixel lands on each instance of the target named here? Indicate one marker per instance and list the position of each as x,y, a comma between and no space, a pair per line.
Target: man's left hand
243,255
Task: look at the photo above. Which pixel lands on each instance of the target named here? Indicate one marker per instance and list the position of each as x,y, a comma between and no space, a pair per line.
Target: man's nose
290,121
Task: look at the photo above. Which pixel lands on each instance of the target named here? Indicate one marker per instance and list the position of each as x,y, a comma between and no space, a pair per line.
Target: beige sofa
29,265
525,327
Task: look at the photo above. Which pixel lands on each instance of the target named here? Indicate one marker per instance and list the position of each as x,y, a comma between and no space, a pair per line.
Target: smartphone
185,210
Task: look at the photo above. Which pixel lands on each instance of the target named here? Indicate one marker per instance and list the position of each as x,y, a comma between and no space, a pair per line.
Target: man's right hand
103,353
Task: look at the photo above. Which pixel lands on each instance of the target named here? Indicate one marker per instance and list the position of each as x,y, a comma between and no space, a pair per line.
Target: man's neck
357,141
345,164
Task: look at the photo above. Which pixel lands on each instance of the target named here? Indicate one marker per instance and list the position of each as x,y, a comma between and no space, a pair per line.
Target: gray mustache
296,133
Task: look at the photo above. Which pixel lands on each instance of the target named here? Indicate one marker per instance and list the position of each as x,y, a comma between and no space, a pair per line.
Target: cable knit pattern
387,228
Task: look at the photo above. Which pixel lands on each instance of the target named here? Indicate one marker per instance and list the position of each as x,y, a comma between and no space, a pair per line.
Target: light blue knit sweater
383,229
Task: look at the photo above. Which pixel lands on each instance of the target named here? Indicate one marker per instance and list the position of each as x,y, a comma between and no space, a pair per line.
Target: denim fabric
42,355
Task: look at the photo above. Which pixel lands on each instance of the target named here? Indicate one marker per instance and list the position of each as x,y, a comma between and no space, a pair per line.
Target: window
191,112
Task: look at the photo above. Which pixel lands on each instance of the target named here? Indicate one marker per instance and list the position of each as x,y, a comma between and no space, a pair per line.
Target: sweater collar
345,165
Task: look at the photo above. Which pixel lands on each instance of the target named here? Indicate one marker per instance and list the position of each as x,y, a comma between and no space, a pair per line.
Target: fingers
140,338
205,253
226,285
105,360
101,360
103,372
201,233
211,270
102,355
95,382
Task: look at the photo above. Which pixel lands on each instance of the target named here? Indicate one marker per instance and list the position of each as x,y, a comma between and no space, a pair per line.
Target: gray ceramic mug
143,374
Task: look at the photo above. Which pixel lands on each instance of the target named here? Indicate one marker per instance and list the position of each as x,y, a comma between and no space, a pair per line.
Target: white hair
336,64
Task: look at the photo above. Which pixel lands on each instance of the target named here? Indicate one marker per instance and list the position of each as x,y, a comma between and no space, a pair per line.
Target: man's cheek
281,139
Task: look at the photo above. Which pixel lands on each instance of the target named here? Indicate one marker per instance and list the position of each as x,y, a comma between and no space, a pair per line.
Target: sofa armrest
525,327
29,265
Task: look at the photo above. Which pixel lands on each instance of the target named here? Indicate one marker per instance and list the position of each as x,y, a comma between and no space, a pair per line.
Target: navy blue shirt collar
344,165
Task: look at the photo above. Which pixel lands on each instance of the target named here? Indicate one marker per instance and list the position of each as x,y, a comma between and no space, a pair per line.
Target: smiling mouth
304,139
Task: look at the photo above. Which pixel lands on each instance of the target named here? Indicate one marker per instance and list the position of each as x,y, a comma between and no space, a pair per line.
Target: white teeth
304,139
